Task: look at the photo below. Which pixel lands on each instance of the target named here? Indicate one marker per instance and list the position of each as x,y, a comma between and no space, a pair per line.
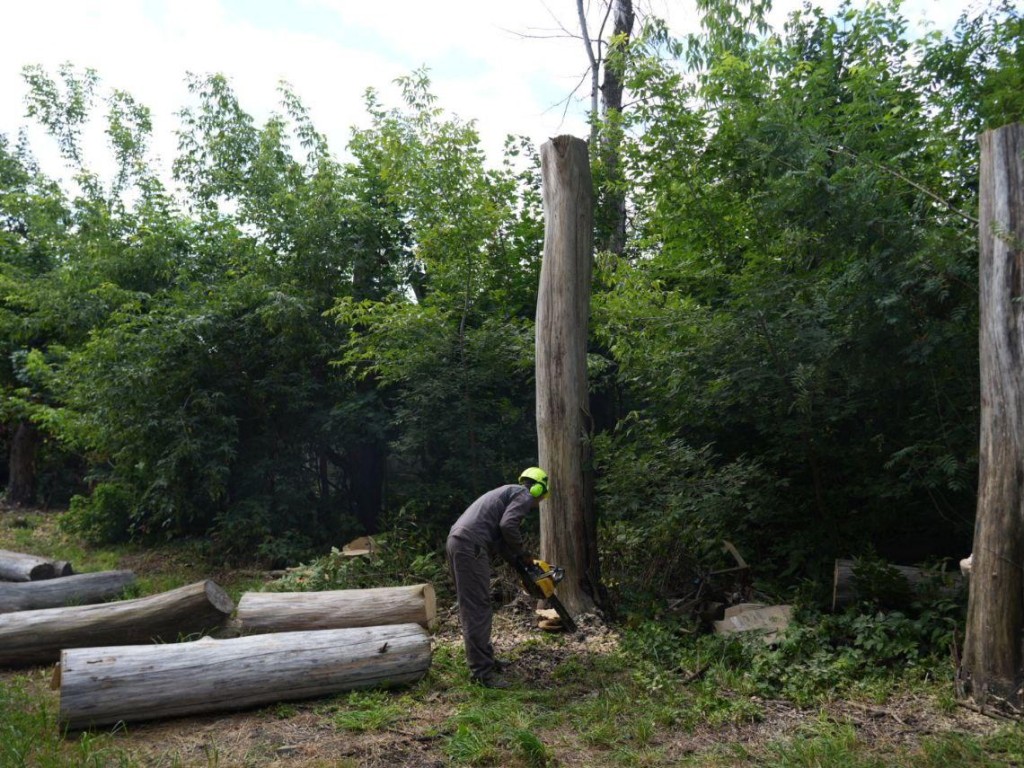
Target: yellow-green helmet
539,485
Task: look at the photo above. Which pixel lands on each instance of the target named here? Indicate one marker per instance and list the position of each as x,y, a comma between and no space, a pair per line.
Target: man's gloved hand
526,559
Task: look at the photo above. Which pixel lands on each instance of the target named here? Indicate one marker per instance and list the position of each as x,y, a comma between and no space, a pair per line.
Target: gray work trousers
471,568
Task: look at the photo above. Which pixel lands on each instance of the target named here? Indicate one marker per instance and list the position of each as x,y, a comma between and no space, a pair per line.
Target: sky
505,64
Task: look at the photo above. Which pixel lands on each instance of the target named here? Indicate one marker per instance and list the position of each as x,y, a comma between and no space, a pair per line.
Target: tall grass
30,736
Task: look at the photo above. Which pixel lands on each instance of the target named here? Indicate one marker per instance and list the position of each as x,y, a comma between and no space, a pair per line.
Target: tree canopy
277,347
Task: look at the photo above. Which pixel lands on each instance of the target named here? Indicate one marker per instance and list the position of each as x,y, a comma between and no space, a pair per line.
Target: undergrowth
667,687
400,556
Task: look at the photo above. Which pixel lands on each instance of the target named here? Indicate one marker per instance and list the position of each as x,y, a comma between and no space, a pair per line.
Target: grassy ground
590,699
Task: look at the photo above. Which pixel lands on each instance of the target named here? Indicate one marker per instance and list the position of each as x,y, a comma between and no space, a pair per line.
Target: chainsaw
539,579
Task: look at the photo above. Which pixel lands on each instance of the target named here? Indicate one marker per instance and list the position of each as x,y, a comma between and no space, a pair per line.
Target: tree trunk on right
567,524
992,668
21,484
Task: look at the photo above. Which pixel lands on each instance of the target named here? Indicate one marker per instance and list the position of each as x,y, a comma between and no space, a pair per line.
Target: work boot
492,681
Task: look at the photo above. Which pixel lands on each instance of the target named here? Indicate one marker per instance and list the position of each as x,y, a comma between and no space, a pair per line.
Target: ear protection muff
535,480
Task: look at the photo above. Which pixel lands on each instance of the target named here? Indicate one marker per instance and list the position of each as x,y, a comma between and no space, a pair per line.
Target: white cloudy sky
481,64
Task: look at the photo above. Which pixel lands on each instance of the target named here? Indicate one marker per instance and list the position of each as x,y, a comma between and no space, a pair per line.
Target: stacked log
38,636
81,589
297,644
15,566
262,612
103,686
844,585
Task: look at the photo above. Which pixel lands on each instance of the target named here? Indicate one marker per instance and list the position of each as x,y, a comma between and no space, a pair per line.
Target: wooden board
767,621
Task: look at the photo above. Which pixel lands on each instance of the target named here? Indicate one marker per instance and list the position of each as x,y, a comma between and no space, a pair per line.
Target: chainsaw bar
563,614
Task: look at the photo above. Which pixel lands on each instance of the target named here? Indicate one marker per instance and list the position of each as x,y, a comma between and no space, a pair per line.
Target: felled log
260,612
37,637
81,589
62,568
906,581
15,566
102,686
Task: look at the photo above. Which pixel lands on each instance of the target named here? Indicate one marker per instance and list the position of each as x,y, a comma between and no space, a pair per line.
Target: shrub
103,517
402,556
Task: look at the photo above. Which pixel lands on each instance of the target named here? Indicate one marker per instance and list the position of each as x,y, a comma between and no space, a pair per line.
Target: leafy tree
226,415
805,295
68,262
455,353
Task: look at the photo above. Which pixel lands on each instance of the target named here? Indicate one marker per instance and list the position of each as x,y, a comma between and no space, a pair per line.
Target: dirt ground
304,735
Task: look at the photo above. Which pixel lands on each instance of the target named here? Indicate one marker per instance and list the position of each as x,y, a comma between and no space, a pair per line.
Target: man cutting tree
489,525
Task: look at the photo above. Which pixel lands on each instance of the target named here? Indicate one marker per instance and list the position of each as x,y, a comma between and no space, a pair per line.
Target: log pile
15,566
124,660
30,582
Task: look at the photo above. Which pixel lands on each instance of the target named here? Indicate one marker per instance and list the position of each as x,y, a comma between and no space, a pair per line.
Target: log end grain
430,606
219,598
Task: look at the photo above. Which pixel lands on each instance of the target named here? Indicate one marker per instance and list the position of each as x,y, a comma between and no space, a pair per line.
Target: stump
103,686
37,637
260,612
82,589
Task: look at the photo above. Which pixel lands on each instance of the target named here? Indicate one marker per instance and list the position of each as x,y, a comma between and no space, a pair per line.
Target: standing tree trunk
992,669
606,124
613,195
21,486
567,524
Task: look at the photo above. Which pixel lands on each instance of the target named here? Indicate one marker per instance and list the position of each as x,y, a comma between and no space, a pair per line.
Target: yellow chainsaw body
545,576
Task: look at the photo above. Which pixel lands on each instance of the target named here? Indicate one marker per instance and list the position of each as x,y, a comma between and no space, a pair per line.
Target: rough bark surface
15,566
37,637
611,140
83,589
102,686
992,668
21,464
563,309
260,612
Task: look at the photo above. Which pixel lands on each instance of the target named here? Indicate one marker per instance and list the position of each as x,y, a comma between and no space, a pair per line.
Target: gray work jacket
493,520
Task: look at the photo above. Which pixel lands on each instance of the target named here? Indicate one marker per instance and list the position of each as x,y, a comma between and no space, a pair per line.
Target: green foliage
666,511
497,729
455,357
402,555
820,656
370,711
295,344
102,517
31,736
803,291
